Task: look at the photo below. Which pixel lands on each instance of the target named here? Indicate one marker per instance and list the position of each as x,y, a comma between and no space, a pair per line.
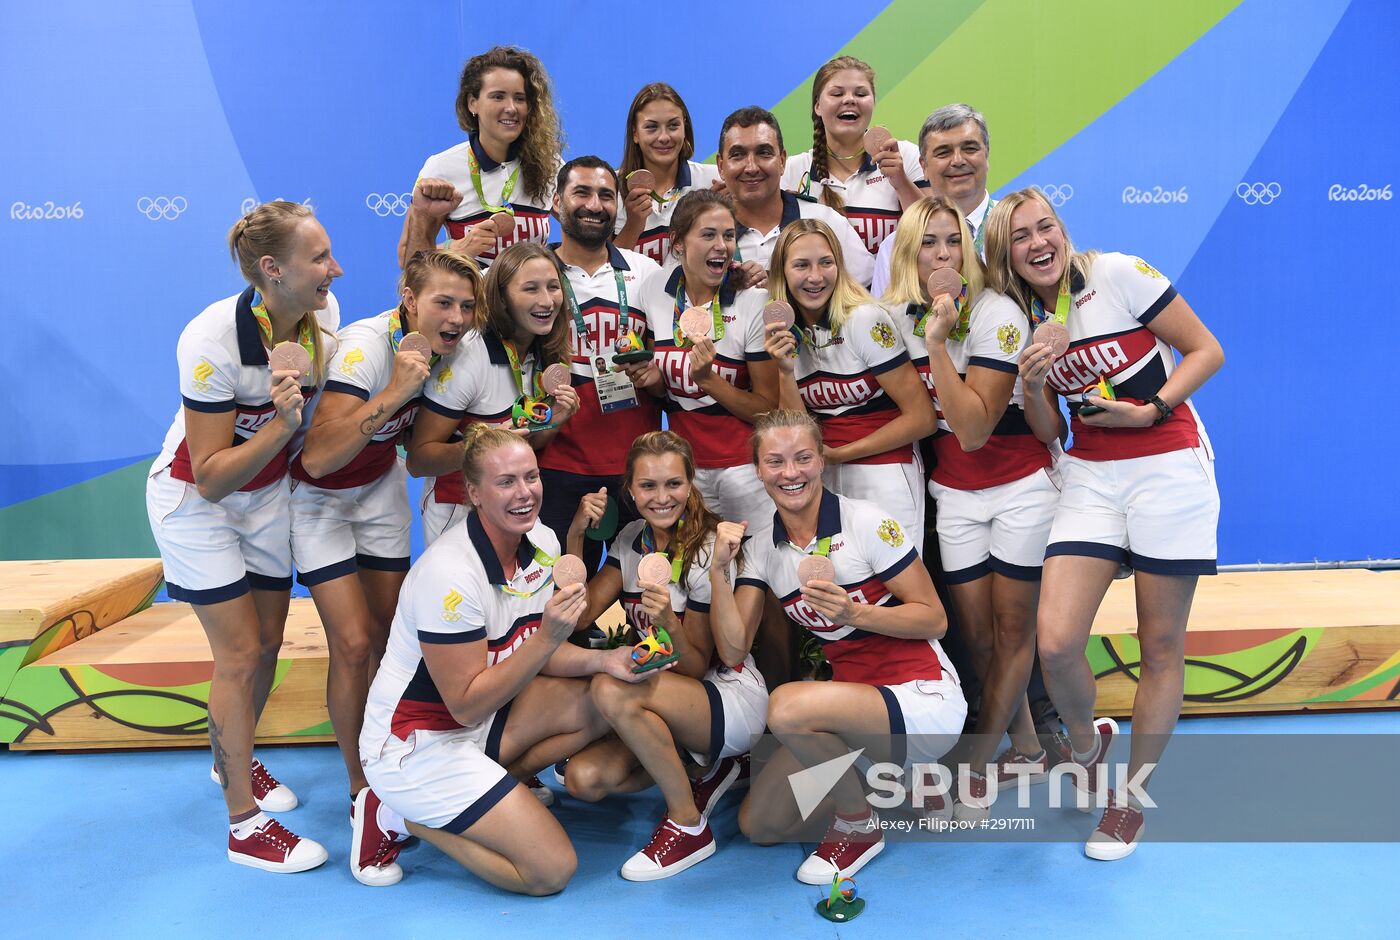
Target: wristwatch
1163,407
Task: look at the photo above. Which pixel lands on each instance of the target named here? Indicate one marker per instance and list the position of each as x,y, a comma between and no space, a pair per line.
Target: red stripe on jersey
718,440
674,365
246,423
843,429
500,648
410,716
592,443
871,591
872,225
369,464
531,225
452,487
1005,457
882,660
655,244
1179,432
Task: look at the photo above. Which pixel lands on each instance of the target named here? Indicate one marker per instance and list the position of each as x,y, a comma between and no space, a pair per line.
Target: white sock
390,821
855,825
244,829
1081,758
694,830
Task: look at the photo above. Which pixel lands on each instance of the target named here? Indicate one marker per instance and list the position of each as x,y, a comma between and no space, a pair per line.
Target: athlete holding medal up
497,376
1138,484
494,189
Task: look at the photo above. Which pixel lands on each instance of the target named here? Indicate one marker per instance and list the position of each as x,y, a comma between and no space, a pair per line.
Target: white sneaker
271,795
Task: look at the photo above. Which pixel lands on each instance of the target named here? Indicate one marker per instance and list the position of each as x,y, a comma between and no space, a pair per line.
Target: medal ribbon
964,309
581,327
506,191
305,338
648,539
1038,315
546,560
716,318
519,372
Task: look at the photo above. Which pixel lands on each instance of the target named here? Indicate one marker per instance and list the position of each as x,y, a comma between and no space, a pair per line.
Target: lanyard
396,333
581,327
648,539
1038,315
546,560
807,336
716,317
964,309
506,190
304,336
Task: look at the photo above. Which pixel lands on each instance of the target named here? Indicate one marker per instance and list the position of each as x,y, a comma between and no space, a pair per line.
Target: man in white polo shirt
953,150
751,161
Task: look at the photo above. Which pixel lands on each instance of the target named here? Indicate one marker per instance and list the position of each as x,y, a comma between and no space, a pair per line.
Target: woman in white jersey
1138,481
878,618
660,140
219,512
870,189
477,678
711,707
506,165
852,372
991,476
521,331
350,512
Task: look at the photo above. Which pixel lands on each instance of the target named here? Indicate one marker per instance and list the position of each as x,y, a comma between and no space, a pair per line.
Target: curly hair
542,140
820,167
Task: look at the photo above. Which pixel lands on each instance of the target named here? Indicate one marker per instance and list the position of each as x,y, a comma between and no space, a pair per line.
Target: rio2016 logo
1258,194
252,203
45,211
1157,195
1362,193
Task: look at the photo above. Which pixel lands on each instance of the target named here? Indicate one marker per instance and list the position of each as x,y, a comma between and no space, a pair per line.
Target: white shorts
735,494
438,516
335,532
440,779
214,552
1001,528
1156,514
926,715
738,710
897,488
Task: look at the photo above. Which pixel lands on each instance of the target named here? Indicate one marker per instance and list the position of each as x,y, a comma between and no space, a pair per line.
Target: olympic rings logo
1258,194
162,207
1058,194
386,204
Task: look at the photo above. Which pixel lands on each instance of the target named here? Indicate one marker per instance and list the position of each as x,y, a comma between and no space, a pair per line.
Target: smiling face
810,272
660,133
790,466
534,297
706,248
508,496
587,206
442,310
751,163
502,107
1038,251
955,162
846,103
942,245
660,489
307,270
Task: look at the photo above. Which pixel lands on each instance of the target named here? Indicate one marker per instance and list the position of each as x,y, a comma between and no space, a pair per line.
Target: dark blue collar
683,175
496,350
483,159
792,211
250,345
726,291
828,519
524,553
615,257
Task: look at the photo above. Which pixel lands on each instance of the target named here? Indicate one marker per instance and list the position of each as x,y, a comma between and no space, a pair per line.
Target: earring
277,281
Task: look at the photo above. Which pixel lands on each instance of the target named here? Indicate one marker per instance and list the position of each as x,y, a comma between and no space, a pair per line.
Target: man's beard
576,231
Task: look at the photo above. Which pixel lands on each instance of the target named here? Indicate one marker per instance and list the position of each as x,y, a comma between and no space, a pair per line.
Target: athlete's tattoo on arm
373,423
220,755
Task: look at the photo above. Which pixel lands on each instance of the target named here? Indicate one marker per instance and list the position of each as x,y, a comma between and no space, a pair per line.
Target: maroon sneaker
372,849
541,792
1117,833
1107,729
972,804
842,853
708,789
274,847
271,795
669,852
1039,764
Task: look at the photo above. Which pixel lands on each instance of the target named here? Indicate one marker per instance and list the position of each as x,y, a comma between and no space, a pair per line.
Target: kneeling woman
893,692
478,677
712,705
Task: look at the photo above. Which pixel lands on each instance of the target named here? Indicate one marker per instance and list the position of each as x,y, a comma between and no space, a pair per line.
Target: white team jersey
476,383
839,382
997,332
719,438
754,245
362,366
223,367
453,594
655,240
872,205
626,551
867,549
531,212
1109,337
591,443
